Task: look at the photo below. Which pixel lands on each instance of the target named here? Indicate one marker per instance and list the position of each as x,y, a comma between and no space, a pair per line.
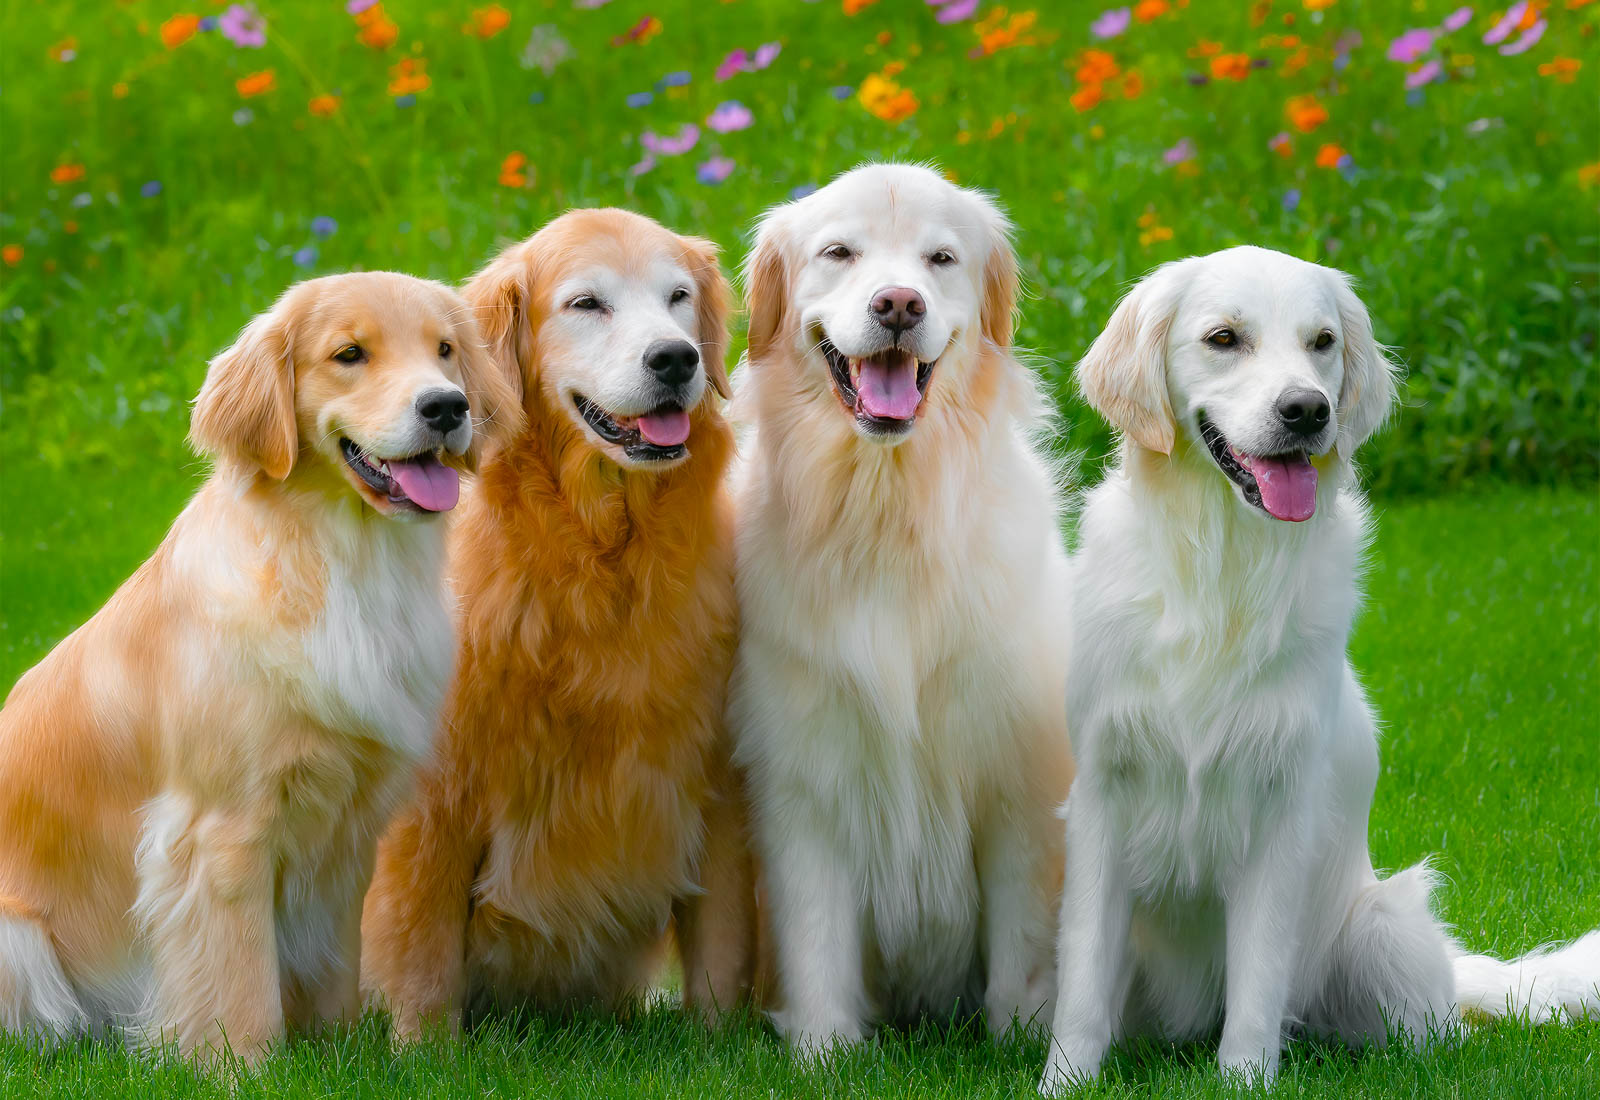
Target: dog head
1268,361
880,286
377,379
616,322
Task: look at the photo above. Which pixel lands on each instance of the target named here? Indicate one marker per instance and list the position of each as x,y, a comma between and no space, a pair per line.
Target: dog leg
206,906
1095,969
1017,872
716,930
36,999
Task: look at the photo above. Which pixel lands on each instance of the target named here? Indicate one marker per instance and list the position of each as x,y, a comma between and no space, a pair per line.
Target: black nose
1303,412
672,361
443,410
898,308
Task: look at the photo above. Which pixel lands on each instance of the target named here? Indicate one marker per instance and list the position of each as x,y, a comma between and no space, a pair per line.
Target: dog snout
443,410
898,309
672,361
1304,412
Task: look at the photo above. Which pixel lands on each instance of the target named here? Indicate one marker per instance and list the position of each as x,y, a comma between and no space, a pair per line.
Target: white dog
898,695
1217,861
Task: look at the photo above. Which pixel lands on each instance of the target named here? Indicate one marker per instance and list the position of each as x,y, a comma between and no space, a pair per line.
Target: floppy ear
245,409
713,301
499,296
1001,281
1368,391
766,286
1124,375
494,387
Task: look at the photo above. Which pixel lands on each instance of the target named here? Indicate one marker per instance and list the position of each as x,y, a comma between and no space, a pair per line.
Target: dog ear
713,302
766,285
500,297
245,409
493,386
1368,391
1124,374
1001,280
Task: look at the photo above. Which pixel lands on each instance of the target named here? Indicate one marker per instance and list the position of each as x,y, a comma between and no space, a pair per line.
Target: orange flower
1296,61
1329,156
511,171
995,33
119,90
11,254
1588,176
69,227
1230,66
488,22
1132,85
1564,69
886,99
66,173
852,7
178,30
409,77
1147,11
324,105
1319,5
1095,66
1205,48
377,30
256,83
1282,146
1087,96
1305,113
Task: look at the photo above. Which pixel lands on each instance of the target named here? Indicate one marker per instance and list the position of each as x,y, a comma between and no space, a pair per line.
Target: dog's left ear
493,385
1124,374
713,301
245,409
1001,280
1368,391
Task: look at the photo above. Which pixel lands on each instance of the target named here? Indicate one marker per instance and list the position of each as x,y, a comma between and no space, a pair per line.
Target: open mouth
884,390
1282,485
656,436
420,483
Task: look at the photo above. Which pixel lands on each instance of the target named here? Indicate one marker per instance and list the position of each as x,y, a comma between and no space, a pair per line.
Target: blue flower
802,191
640,99
406,100
677,79
1291,198
536,98
842,91
324,226
306,256
151,189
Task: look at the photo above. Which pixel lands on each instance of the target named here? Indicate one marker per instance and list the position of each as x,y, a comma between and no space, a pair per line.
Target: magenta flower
715,170
1180,152
1411,45
244,27
688,135
356,7
954,11
743,61
1508,23
1427,74
1526,42
730,116
1457,19
1111,23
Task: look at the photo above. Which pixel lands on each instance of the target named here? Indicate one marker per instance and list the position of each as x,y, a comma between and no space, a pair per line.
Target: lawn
167,171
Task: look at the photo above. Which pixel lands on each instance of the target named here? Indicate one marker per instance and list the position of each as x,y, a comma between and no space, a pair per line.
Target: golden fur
191,784
581,793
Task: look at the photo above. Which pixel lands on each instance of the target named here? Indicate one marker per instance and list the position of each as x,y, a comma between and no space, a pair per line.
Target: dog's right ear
1124,375
766,285
245,410
500,296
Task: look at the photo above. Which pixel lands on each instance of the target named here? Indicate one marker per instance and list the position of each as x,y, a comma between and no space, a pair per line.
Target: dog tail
1539,985
36,999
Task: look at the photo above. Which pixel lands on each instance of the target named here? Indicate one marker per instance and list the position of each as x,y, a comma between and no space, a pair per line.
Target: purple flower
643,166
677,79
1457,19
714,170
954,11
1197,79
765,55
640,99
1508,23
802,191
323,226
730,116
306,256
688,134
1411,45
841,91
1347,168
732,64
209,23
1111,23
743,61
1180,152
244,27
151,189
355,7
1526,42
1427,74
1291,198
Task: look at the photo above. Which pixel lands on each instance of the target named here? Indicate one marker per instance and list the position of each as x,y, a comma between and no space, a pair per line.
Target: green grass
1479,647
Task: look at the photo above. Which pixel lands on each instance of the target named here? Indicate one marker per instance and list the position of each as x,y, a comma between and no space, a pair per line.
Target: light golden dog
192,784
581,795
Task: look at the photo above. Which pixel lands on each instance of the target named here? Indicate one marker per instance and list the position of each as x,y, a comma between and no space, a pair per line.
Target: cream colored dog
897,696
192,784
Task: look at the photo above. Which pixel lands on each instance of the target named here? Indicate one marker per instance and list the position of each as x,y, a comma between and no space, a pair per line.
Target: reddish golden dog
192,784
581,795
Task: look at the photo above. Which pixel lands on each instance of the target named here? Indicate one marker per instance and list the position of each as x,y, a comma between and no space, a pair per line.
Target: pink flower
688,134
715,170
1508,23
743,61
1180,152
1427,74
244,27
730,116
1111,23
1411,45
355,7
1457,19
1526,42
954,11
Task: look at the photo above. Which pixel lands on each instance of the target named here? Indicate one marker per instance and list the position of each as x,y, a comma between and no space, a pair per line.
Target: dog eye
445,349
350,353
837,252
1324,340
586,302
1223,338
941,258
680,295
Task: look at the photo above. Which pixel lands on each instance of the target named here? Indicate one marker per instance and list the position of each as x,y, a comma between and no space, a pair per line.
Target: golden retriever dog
192,784
898,698
581,798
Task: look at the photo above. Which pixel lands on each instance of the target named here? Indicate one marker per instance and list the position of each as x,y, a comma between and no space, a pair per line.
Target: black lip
378,481
839,371
634,445
1222,455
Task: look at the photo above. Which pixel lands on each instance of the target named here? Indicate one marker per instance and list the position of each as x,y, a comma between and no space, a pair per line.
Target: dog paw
1257,1071
1072,1065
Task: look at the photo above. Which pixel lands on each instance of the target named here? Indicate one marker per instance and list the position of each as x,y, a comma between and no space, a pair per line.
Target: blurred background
168,168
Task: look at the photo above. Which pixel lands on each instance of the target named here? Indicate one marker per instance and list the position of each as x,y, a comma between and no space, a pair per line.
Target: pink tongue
665,428
889,390
1288,485
428,482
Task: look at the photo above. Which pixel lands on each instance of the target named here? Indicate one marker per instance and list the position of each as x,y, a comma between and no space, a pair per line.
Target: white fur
1217,862
900,652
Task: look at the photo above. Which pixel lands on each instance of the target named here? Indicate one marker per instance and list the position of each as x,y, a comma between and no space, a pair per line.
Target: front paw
819,1040
1256,1070
1074,1062
1019,1009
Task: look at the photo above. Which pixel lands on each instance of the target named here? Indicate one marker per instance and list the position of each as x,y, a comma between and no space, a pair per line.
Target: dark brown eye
680,295
1324,340
837,252
350,353
941,258
445,349
585,302
1223,338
